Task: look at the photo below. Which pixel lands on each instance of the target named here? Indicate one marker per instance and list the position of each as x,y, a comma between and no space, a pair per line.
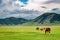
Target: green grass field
28,33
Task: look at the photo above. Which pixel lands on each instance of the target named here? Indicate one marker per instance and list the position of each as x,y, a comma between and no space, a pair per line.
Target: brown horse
37,28
47,29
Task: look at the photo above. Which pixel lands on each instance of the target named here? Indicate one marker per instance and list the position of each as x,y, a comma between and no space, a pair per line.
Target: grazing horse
37,28
47,29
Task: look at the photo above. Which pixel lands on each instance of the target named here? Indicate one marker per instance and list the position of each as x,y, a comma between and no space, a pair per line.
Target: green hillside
12,21
45,19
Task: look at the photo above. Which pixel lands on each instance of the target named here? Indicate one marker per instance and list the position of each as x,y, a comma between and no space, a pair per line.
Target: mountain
45,19
48,18
12,21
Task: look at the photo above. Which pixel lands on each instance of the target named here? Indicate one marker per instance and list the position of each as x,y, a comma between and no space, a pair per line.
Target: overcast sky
9,7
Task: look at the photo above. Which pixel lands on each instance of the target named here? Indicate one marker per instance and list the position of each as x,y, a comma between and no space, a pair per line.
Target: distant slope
12,21
48,18
45,19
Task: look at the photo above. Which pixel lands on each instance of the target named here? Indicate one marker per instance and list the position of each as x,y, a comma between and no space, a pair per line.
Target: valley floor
28,33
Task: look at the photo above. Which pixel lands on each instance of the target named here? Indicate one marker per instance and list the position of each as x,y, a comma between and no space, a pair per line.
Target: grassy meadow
28,33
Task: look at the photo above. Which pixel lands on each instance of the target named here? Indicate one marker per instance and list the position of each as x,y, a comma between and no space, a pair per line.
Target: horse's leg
45,32
49,31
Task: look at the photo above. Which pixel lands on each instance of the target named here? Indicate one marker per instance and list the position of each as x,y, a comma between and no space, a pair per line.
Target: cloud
53,1
26,8
11,4
28,14
16,4
39,1
56,10
0,1
31,4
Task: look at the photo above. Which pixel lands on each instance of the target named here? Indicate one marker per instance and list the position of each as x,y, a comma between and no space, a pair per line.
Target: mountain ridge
12,21
48,18
44,19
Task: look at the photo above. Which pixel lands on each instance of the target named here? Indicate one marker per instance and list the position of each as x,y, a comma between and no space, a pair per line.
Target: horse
47,29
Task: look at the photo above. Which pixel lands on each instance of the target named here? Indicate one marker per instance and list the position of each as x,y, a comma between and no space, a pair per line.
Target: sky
28,9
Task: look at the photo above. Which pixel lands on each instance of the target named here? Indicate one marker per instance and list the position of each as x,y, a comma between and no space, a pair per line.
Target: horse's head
37,28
